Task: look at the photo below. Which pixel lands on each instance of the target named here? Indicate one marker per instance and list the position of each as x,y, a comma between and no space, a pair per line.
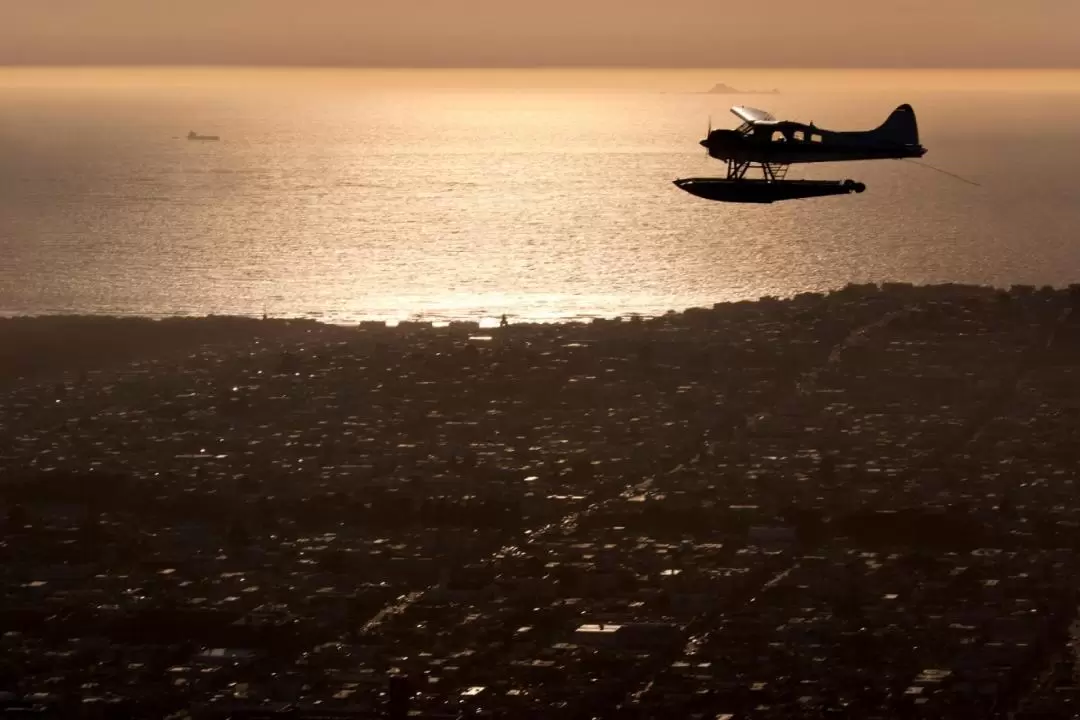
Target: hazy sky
474,33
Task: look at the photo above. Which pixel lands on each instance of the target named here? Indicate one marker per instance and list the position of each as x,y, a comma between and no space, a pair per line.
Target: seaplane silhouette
767,145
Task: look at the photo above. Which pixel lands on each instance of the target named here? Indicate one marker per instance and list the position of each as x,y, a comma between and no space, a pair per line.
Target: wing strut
773,172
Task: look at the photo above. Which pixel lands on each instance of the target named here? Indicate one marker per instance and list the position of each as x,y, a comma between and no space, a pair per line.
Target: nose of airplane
718,142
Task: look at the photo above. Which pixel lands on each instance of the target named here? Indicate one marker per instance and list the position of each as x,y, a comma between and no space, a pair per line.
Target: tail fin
901,127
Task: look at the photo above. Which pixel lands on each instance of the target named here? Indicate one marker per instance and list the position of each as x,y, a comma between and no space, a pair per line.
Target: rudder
901,126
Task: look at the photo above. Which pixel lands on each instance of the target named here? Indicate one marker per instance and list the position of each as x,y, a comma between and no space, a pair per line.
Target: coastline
40,347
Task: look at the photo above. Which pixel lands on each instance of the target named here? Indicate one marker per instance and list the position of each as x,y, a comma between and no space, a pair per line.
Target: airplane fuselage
785,143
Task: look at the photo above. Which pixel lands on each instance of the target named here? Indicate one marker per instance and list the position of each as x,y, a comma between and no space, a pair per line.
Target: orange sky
473,33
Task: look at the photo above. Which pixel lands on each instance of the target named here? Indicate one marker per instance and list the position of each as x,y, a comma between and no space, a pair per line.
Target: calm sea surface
354,202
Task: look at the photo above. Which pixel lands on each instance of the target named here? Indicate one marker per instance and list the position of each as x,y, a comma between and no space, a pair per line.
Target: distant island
722,89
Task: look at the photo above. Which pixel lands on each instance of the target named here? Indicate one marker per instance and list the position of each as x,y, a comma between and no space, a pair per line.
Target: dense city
858,504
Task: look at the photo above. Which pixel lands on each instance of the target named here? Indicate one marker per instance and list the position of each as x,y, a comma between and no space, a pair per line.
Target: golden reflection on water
367,194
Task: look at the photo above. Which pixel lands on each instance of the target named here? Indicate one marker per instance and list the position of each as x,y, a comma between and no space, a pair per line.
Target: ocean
346,196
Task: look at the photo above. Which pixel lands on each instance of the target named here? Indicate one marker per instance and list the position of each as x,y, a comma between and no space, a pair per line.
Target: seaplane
767,146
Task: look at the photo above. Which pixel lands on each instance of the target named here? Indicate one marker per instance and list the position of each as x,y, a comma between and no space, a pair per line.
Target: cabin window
815,138
778,136
800,136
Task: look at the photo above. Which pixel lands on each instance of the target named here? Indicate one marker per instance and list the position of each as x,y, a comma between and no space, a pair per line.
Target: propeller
708,134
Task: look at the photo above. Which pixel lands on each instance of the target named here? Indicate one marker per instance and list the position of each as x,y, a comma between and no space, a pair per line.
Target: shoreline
438,319
36,348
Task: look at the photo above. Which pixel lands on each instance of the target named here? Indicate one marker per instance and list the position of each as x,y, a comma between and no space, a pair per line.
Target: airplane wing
752,115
